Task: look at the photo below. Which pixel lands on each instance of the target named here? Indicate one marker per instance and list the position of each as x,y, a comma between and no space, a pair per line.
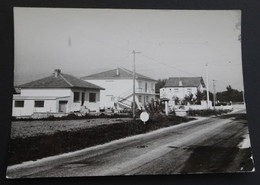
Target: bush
73,116
154,108
206,112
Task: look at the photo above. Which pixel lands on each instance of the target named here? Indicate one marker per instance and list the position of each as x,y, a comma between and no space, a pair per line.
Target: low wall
183,110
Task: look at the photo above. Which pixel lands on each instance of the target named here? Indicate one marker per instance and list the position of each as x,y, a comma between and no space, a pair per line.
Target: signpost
144,116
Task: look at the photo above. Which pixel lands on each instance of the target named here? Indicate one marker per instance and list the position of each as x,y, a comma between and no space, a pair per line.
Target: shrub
206,112
154,108
73,116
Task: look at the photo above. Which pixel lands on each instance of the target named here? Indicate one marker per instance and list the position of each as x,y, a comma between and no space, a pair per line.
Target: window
140,89
145,87
176,90
140,84
76,97
92,97
139,98
189,90
38,103
147,99
19,103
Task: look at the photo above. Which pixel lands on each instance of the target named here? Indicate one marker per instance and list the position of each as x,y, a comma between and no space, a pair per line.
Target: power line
177,69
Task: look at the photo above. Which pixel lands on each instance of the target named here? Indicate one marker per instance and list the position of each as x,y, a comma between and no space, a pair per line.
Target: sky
173,43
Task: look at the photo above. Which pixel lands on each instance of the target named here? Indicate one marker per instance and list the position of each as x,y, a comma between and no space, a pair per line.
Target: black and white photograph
118,92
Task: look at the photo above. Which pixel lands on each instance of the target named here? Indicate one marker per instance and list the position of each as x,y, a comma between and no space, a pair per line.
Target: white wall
121,88
92,106
140,85
46,92
29,109
180,92
53,105
112,88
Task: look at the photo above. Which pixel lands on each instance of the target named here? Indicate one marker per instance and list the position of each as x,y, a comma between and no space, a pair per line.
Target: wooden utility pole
214,93
134,52
207,85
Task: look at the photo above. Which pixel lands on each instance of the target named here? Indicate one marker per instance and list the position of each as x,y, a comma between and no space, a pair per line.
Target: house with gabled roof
179,87
118,84
57,93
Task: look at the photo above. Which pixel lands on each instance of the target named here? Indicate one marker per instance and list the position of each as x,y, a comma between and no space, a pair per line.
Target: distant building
118,84
58,93
179,87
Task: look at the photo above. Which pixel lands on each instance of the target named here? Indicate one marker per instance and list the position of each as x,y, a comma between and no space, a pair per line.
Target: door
63,106
82,98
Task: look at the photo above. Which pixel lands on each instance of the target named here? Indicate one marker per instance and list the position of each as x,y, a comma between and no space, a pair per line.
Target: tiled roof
184,82
61,81
119,73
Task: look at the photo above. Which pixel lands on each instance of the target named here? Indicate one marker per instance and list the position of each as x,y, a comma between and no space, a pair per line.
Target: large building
118,84
179,87
58,93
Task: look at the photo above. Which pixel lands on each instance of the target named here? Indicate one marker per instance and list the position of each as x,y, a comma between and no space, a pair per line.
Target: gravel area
24,129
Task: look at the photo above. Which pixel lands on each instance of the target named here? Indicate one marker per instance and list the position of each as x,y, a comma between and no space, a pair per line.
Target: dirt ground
24,129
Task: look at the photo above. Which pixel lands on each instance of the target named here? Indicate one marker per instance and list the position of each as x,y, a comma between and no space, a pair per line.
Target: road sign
144,116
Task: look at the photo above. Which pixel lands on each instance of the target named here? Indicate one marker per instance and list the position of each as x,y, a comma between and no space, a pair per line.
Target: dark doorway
63,106
82,98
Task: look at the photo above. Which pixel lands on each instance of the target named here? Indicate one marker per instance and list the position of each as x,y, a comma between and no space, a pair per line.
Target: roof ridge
96,73
66,80
126,70
188,77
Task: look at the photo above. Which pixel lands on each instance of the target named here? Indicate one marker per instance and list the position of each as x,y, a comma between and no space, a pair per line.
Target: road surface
206,145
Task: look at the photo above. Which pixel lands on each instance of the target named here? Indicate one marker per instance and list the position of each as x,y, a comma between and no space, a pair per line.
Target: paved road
208,145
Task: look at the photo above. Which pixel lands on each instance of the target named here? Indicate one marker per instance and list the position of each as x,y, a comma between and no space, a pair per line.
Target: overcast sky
173,43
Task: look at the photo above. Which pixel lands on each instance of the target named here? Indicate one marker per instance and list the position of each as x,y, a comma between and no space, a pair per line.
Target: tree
159,84
230,95
199,97
176,100
188,99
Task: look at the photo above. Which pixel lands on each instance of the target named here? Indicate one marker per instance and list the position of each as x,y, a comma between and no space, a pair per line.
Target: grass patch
32,148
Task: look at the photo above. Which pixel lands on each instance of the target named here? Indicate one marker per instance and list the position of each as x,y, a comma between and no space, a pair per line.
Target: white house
58,93
118,84
181,87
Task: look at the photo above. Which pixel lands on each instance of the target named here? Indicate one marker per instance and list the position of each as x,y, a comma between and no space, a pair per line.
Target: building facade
58,93
179,87
118,84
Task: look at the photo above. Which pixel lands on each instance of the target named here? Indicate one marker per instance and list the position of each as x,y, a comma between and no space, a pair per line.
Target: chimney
117,72
180,83
57,72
